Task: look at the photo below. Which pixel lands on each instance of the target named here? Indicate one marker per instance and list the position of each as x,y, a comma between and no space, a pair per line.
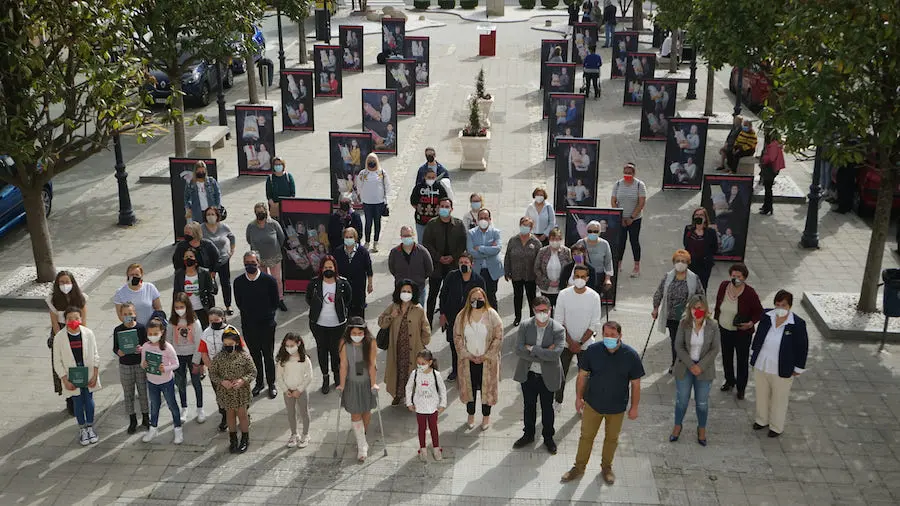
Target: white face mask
483,224
542,316
421,367
555,244
66,288
211,219
154,338
292,350
406,296
180,312
680,266
579,283
429,182
357,338
539,199
781,312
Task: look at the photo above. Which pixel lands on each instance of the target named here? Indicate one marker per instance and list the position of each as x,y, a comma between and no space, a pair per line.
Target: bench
747,165
210,138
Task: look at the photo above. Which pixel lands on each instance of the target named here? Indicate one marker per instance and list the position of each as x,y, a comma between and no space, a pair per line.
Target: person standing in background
518,266
201,193
476,202
599,256
266,237
256,294
355,263
483,243
445,239
411,260
548,266
609,21
542,215
425,199
701,242
454,294
221,236
340,219
630,194
738,310
431,162
372,186
279,185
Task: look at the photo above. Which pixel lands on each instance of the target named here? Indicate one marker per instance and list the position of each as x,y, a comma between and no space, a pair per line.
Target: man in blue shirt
592,64
606,373
431,162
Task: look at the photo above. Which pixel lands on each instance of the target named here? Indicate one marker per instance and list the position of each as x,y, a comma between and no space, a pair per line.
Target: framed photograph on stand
328,71
255,125
379,118
727,200
297,100
685,154
347,154
577,219
350,38
577,169
305,224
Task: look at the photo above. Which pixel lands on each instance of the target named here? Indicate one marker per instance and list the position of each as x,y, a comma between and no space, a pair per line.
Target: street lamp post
810,237
220,98
126,213
692,84
281,60
740,91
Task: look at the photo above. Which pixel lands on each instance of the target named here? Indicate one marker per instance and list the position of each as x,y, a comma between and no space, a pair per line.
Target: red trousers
431,422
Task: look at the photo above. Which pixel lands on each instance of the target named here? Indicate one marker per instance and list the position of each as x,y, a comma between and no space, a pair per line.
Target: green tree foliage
735,32
297,11
67,83
837,77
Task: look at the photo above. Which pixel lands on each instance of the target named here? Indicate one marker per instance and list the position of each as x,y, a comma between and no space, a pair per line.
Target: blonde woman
372,186
696,347
476,203
478,336
672,294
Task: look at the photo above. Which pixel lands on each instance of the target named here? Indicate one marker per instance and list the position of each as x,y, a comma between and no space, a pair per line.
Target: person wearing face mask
256,294
425,198
548,266
201,193
445,238
738,310
607,376
476,202
143,294
294,371
696,346
355,264
433,164
599,256
540,210
669,300
160,379
779,349
410,334
701,242
372,186
211,345
329,297
478,338
186,333
198,284
131,375
205,250
221,236
410,260
342,218
483,243
454,295
539,343
630,194
358,386
279,185
579,258
578,310
231,372
518,266
266,237
76,347
65,294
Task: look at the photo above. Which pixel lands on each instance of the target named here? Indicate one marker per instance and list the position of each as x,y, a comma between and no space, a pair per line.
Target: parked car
198,83
12,207
757,85
238,65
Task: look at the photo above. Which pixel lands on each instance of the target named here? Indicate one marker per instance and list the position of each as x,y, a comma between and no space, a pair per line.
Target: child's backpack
437,384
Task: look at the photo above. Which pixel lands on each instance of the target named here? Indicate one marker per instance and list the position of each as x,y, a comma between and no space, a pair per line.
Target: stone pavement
841,445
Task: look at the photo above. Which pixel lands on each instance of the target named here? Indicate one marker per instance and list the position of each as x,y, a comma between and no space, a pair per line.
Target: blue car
12,208
198,83
238,66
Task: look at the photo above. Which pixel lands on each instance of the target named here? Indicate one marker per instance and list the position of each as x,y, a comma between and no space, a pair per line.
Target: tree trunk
710,89
251,77
36,222
675,53
868,292
304,59
637,13
178,119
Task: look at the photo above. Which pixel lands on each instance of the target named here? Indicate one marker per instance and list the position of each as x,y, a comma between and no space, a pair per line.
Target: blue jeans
610,29
420,233
185,368
683,398
372,212
155,392
84,407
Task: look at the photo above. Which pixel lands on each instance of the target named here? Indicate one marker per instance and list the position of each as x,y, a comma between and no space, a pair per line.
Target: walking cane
648,338
380,423
337,425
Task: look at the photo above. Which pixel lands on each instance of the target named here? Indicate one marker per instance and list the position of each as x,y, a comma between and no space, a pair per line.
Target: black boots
245,442
223,425
233,446
145,420
132,424
326,387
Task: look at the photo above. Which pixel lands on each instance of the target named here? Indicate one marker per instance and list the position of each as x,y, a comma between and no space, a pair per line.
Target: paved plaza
842,439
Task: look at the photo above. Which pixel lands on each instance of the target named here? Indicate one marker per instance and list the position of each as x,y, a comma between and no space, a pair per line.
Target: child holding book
76,361
427,399
159,360
128,338
231,372
187,333
294,374
358,387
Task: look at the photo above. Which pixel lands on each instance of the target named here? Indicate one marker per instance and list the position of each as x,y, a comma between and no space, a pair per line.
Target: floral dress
403,353
232,366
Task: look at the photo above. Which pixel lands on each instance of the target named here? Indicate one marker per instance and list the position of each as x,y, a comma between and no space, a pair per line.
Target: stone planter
474,150
484,109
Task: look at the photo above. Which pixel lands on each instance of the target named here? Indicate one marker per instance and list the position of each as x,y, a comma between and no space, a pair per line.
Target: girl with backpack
427,398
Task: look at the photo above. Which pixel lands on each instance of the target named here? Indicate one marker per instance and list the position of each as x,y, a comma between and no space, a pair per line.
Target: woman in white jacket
372,186
75,353
294,374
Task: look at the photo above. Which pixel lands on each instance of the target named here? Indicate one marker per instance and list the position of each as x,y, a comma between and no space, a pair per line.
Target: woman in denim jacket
200,194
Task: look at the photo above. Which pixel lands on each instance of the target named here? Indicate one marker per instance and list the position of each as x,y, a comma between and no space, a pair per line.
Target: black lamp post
810,237
126,213
281,60
220,98
692,84
740,91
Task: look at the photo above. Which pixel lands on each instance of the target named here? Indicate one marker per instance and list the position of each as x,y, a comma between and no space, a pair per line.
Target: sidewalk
841,446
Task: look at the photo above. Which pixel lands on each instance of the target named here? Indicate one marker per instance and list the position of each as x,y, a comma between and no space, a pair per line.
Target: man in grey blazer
539,343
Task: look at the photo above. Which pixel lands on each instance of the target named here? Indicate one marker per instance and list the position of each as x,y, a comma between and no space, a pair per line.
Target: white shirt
696,343
192,288
767,360
554,269
328,317
476,338
666,47
536,366
372,186
431,393
201,195
578,312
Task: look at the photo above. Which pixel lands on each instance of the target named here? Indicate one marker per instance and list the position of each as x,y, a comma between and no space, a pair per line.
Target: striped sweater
745,141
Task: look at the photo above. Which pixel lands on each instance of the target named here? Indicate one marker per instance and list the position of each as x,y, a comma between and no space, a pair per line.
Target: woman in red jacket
738,309
771,162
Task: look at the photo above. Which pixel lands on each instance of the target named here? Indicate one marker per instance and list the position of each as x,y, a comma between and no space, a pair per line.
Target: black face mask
135,280
345,206
261,216
464,268
251,268
201,175
478,303
217,325
371,165
328,273
188,237
231,349
190,262
698,220
429,158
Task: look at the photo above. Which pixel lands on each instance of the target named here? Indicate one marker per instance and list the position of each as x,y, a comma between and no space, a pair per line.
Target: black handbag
222,212
383,339
740,320
385,210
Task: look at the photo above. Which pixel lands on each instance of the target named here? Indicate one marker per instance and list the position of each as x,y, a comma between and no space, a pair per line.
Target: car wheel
47,199
204,95
861,209
731,83
228,82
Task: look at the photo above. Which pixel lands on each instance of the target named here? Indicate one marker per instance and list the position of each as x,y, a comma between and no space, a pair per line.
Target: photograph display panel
255,126
622,44
297,100
685,153
418,49
658,106
584,36
566,119
638,67
727,200
328,71
577,169
379,118
347,152
393,37
305,224
181,173
400,75
548,48
350,38
560,79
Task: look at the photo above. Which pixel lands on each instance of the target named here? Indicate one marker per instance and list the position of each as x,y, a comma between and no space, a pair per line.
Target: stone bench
747,165
210,138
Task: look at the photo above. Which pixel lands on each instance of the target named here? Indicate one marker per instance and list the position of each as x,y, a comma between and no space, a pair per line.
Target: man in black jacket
445,238
340,219
256,294
609,18
425,199
454,295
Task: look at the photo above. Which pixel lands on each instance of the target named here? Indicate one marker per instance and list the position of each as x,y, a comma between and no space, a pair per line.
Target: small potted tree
485,100
421,4
447,4
468,4
527,4
474,139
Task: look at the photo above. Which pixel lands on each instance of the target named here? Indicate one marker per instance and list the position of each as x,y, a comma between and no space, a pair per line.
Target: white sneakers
150,435
201,415
92,436
292,441
303,442
84,438
438,453
423,454
557,406
296,441
185,414
179,436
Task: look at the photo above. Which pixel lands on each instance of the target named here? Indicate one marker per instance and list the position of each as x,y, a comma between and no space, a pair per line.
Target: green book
154,360
78,376
677,312
128,341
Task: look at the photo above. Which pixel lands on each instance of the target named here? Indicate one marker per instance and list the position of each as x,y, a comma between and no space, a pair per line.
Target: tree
297,11
174,35
675,14
836,78
67,84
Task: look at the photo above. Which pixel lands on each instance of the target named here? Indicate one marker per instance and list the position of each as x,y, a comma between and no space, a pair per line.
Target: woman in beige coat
478,336
410,333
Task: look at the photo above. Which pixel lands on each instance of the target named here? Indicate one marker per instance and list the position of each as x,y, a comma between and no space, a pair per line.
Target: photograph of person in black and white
297,101
400,76
685,152
350,40
379,110
418,49
393,37
347,150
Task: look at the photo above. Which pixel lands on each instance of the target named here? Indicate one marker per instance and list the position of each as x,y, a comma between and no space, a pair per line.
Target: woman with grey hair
696,347
266,237
599,256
